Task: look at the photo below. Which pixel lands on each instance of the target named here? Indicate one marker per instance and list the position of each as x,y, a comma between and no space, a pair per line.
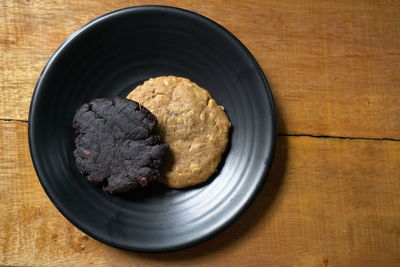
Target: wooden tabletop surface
333,195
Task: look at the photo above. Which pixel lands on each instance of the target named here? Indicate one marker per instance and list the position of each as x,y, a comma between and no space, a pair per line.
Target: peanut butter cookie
191,122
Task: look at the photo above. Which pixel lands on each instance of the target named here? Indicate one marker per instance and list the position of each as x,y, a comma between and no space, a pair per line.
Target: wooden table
333,196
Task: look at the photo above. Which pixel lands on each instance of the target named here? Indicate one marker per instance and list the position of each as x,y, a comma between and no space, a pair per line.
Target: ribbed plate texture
109,57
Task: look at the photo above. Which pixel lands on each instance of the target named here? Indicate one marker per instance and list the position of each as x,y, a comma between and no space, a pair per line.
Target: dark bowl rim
34,154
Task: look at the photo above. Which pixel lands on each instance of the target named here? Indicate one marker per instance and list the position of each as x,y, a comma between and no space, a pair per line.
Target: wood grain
333,65
327,202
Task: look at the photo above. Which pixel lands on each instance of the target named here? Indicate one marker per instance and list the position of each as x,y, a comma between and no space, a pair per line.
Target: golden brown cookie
191,122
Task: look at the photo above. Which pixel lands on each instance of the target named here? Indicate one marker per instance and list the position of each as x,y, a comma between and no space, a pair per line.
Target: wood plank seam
339,137
284,134
13,120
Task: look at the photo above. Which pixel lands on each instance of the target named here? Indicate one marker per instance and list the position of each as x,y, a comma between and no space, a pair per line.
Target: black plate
111,55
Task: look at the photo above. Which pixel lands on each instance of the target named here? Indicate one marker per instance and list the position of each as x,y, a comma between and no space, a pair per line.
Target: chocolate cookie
191,122
116,146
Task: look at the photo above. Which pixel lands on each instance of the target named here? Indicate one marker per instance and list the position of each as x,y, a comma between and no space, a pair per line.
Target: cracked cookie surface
191,122
116,146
